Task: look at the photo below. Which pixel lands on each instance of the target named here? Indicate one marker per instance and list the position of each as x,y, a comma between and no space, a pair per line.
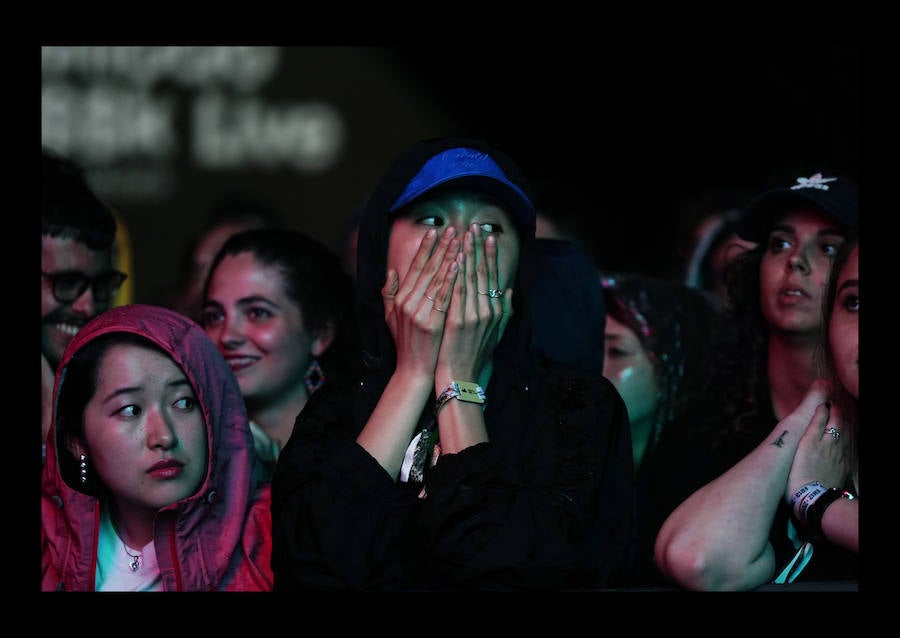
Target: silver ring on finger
439,309
495,293
834,432
429,298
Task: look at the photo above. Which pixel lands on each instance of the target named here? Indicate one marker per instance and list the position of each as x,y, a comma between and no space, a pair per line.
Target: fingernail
431,232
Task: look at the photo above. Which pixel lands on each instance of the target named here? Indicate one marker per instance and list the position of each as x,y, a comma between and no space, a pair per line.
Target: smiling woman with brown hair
279,306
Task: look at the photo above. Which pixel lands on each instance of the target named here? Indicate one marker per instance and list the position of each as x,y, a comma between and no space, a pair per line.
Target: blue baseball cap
468,167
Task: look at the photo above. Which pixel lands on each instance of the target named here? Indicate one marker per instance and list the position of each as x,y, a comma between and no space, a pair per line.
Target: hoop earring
314,377
83,471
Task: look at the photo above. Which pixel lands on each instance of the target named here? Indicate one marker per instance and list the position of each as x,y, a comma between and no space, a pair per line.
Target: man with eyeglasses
78,280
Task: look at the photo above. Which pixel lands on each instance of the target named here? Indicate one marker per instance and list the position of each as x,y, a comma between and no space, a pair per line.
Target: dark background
635,135
620,140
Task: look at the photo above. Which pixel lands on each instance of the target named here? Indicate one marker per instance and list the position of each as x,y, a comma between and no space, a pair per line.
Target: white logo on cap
815,181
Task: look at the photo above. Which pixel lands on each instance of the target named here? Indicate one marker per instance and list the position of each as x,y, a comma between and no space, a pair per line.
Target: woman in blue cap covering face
460,459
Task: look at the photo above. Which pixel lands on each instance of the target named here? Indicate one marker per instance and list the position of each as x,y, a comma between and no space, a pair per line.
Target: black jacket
545,504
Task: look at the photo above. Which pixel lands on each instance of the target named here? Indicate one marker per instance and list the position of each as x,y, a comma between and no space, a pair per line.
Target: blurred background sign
629,134
135,114
164,132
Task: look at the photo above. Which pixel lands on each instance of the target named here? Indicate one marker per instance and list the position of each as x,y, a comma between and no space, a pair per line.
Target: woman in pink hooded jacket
149,482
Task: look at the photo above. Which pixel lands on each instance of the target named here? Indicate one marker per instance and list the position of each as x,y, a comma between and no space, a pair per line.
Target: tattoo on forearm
779,442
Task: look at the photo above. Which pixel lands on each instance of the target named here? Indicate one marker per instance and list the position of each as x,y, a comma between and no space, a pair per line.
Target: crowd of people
462,400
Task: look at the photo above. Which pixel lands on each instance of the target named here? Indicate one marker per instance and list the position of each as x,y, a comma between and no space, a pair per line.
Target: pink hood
219,538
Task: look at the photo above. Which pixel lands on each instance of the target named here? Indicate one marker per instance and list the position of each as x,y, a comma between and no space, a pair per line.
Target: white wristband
462,390
804,497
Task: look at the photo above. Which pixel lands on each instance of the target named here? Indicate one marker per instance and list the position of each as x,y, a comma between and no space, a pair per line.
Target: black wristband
817,509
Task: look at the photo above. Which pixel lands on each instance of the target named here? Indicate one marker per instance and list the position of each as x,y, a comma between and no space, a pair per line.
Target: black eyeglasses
69,285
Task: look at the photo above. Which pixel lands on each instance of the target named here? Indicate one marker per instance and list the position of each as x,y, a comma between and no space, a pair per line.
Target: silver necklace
136,559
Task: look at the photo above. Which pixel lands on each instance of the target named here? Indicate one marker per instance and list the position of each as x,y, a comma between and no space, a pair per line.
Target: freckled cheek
112,456
100,433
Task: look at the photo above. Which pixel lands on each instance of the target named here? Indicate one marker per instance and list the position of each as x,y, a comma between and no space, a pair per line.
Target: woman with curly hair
736,531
